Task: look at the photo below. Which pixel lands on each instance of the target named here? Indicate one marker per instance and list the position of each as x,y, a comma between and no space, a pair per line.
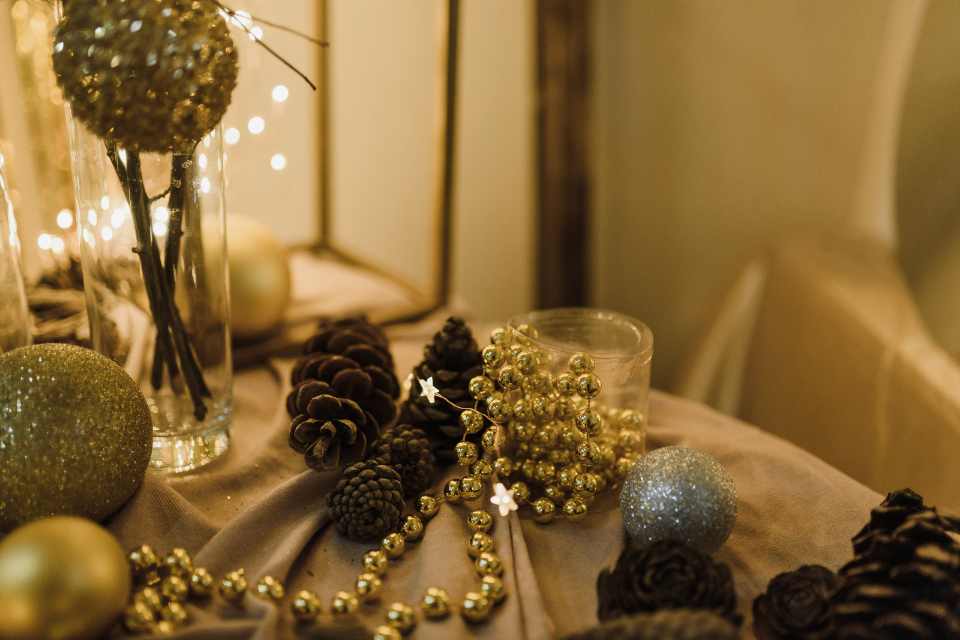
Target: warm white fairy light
44,241
160,229
202,161
205,185
161,214
256,125
65,219
278,162
256,33
280,93
107,234
232,135
91,217
105,202
118,218
57,245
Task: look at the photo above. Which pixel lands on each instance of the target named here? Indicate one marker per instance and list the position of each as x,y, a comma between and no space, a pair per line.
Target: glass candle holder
620,347
152,234
14,317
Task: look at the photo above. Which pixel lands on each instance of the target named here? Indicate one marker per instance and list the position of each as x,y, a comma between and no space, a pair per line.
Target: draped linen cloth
259,508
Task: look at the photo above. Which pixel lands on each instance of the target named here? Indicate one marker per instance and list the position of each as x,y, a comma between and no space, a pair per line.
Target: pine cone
328,429
451,359
672,624
796,605
355,338
370,386
905,579
367,502
407,450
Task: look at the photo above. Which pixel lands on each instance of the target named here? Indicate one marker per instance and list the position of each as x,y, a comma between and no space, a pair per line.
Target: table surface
260,508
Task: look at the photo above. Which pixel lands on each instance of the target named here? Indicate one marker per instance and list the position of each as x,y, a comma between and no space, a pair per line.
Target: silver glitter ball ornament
677,493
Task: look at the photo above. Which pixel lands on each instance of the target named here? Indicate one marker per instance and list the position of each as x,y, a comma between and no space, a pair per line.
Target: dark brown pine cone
355,338
452,358
370,386
796,605
407,450
905,579
675,624
327,429
666,575
367,502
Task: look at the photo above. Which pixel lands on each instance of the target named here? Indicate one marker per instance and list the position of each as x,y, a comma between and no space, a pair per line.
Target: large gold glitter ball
147,75
61,577
75,434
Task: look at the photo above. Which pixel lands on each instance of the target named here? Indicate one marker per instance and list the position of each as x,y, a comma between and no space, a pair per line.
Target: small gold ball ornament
480,387
575,509
175,613
174,588
344,603
521,492
427,506
305,606
138,618
544,510
269,588
476,607
201,583
150,597
144,563
401,617
588,385
467,453
233,586
376,561
368,587
580,363
470,487
69,573
77,434
451,491
384,632
412,528
178,562
259,278
488,564
492,587
480,521
435,604
479,542
394,545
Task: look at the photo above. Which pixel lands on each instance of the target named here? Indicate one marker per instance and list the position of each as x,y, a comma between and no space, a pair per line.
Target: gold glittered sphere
305,606
492,587
76,435
476,607
435,603
148,75
344,603
62,577
401,617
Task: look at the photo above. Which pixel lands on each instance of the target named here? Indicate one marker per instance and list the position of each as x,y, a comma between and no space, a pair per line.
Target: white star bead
427,390
504,499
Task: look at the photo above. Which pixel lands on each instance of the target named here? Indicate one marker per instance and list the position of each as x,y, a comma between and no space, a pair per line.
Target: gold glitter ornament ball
61,577
148,75
75,434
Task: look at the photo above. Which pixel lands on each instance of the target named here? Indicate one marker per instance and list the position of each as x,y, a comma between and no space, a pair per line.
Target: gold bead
470,487
492,587
521,492
545,472
546,436
174,612
527,330
488,564
525,362
537,383
541,408
630,440
376,561
476,607
174,588
178,562
508,378
565,384
479,542
588,452
566,477
233,586
383,632
622,467
143,561
521,410
163,628
529,469
500,337
466,453
412,528
537,452
492,356
555,493
435,604
522,431
427,506
480,387
393,545
480,521
451,491
589,423
150,597
401,617
630,419
368,586
269,588
570,437
499,409
588,385
138,618
560,457
482,469
471,420
514,350
587,484
489,438
564,409
503,466
575,509
305,606
543,510
580,363
344,603
201,583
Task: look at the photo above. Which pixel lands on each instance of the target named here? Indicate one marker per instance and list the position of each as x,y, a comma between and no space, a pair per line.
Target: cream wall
721,128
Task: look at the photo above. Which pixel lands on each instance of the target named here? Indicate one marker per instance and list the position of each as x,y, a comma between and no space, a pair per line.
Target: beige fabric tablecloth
261,509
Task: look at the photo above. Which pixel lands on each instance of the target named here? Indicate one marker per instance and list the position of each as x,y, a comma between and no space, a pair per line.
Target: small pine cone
328,430
675,624
407,450
452,358
367,502
355,338
373,388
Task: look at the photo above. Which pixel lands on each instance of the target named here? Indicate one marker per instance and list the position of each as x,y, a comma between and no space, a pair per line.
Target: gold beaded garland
503,466
344,603
401,617
435,604
480,387
305,606
470,487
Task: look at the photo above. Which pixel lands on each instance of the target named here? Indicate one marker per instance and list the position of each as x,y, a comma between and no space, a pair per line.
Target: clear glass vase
14,317
152,240
621,348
